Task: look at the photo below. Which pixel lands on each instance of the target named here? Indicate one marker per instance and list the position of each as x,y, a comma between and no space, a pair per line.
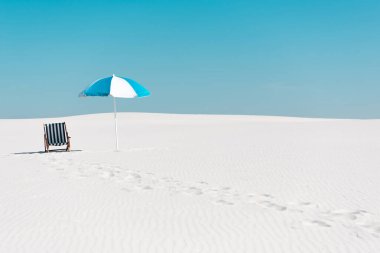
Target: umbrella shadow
43,152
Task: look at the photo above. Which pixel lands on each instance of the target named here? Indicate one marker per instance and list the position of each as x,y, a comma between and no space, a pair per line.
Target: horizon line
194,114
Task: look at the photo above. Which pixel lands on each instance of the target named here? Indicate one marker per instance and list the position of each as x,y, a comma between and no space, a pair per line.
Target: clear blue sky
297,58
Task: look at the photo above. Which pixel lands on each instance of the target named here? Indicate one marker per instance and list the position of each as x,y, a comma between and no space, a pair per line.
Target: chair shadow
43,152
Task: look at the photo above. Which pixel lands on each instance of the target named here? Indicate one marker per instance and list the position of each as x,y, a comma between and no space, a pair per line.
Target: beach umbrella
116,87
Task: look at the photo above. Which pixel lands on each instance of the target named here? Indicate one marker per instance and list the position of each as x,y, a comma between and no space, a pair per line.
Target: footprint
132,180
133,177
273,205
376,231
167,179
348,215
194,190
320,223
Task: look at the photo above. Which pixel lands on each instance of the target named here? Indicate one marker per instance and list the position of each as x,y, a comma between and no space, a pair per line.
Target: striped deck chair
56,135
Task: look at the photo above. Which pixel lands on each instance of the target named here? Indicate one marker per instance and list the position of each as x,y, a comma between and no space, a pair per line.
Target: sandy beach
191,183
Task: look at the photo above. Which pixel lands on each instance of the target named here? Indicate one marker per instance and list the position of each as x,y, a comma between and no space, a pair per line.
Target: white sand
190,183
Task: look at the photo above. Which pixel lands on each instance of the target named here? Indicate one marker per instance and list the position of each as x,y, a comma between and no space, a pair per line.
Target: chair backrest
56,133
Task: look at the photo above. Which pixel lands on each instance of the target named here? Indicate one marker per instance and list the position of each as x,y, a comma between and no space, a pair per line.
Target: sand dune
192,183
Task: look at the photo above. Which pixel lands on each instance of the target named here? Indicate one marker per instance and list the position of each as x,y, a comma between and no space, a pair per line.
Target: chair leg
68,148
46,145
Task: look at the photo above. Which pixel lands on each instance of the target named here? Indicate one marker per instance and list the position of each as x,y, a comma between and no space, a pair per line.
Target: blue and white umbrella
116,87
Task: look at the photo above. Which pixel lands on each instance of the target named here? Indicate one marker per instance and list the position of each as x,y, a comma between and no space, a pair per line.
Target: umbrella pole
115,117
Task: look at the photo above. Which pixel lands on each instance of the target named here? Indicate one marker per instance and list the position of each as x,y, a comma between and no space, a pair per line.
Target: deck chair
55,134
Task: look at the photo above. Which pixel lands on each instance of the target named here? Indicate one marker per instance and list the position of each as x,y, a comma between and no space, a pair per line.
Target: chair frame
46,141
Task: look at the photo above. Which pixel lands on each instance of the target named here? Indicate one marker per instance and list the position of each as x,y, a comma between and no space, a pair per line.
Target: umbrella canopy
116,87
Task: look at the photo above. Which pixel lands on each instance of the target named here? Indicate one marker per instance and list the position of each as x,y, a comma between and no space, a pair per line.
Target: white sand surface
192,183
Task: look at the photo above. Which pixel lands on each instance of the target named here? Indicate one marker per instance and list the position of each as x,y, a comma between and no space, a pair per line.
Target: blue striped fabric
100,88
138,88
56,134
